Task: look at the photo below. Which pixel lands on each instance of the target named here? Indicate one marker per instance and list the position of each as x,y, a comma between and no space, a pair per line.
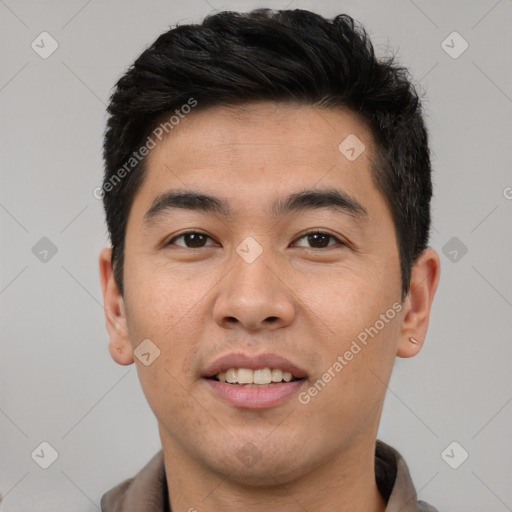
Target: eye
192,240
196,239
320,239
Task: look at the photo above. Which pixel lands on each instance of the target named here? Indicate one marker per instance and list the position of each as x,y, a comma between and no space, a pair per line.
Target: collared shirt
147,491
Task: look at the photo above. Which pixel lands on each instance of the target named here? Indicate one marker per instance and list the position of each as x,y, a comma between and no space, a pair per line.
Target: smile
249,377
254,381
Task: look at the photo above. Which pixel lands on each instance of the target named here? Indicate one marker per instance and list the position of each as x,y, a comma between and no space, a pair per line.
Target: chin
266,466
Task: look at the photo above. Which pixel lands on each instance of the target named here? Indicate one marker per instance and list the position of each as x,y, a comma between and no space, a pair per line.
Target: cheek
161,298
168,397
159,313
360,343
168,307
350,302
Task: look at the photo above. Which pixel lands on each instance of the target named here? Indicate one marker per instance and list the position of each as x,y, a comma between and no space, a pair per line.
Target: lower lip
255,397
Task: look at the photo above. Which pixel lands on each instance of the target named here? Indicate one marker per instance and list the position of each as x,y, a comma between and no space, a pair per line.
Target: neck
347,480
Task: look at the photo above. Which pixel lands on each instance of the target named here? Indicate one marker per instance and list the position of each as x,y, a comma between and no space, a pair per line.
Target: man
267,193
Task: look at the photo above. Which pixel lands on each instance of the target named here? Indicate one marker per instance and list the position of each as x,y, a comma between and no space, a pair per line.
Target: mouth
255,382
247,377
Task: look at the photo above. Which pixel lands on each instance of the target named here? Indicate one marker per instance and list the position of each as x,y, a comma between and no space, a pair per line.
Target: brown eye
319,239
192,240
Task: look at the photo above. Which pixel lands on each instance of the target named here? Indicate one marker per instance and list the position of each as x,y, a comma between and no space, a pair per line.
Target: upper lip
253,362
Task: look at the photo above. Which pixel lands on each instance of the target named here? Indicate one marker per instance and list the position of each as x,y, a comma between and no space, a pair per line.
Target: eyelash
310,232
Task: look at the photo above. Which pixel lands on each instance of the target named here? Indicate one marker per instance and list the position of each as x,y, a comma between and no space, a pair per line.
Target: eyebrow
331,198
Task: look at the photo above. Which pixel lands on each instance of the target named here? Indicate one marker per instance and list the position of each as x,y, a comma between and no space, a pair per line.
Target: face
295,269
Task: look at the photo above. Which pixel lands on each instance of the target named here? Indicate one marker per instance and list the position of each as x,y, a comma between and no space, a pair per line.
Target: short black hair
275,55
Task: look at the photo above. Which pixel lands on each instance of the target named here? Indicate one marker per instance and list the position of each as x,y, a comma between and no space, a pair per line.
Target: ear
424,279
115,313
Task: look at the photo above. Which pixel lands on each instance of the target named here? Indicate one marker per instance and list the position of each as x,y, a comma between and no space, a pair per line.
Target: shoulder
146,491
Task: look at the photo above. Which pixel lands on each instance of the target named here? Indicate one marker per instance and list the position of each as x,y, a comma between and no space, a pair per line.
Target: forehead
245,152
289,132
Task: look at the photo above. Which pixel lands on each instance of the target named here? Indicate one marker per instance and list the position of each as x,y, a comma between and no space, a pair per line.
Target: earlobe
115,313
119,354
417,305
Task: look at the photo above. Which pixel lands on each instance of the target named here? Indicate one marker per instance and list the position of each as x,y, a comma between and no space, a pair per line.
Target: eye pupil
313,238
196,239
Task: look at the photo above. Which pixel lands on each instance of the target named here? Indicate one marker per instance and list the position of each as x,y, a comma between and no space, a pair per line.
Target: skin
196,303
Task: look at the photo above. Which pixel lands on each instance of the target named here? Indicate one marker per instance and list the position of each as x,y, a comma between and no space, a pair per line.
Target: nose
254,297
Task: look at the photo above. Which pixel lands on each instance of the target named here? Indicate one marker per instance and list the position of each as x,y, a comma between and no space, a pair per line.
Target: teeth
263,376
231,376
277,375
245,376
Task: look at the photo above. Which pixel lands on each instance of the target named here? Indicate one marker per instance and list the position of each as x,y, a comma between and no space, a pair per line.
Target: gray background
57,381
